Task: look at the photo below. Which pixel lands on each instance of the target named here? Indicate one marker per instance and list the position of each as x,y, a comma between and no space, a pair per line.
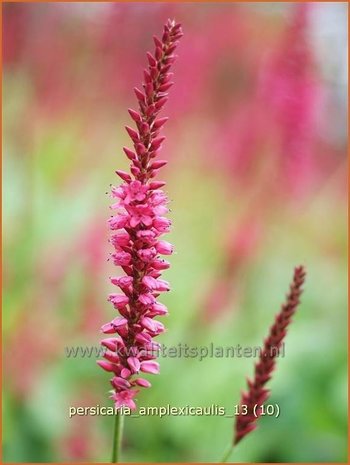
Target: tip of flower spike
171,23
300,270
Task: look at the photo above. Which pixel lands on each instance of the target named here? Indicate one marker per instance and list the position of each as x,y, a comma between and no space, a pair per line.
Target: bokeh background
256,146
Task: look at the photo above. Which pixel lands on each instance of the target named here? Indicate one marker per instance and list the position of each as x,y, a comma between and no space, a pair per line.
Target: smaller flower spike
138,224
257,394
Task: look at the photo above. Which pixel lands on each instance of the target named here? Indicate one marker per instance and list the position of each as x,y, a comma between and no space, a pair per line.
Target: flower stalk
117,437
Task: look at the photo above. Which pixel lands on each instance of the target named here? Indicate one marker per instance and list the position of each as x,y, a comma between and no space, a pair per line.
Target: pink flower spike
150,367
140,207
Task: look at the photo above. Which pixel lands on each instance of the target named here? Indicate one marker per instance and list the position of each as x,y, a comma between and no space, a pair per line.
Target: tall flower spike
257,394
137,226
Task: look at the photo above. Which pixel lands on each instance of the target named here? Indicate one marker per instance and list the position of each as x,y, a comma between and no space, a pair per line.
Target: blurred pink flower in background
82,438
277,114
93,249
275,126
290,90
30,348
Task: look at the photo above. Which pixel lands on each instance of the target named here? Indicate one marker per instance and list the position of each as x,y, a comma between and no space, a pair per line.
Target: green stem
227,454
117,437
